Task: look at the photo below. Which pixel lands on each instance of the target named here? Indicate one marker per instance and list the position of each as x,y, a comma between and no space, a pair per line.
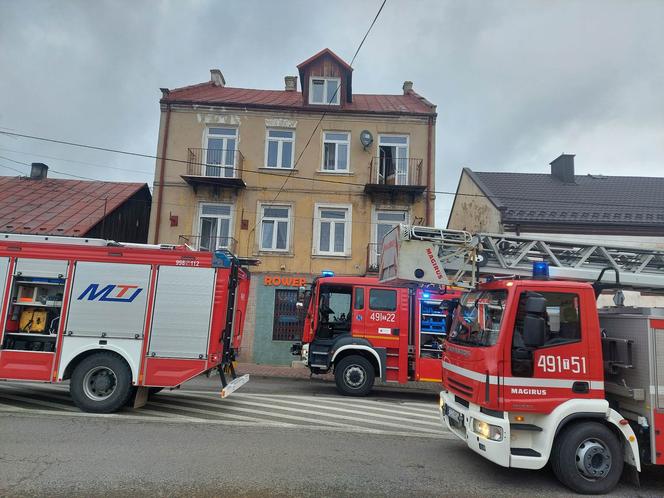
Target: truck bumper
463,422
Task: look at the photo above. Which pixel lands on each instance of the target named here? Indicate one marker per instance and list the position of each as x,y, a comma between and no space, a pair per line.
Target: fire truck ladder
639,268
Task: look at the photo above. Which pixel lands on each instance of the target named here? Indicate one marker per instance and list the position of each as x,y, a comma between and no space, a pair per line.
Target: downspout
162,168
430,188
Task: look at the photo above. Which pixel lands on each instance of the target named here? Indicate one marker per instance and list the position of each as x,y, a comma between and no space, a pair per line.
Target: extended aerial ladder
458,258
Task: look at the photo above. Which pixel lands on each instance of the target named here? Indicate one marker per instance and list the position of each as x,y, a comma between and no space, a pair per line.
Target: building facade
305,180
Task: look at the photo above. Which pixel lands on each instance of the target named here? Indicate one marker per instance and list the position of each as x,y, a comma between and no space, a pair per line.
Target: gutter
430,188
162,168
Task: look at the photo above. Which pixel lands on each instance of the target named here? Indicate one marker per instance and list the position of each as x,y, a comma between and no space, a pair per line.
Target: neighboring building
626,208
343,168
39,205
597,209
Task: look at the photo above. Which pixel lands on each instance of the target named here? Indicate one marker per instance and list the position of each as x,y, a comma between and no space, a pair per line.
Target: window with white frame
384,220
275,227
332,229
220,152
214,226
336,151
326,91
279,149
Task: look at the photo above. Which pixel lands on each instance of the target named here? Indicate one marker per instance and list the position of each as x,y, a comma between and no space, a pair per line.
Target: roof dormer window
325,91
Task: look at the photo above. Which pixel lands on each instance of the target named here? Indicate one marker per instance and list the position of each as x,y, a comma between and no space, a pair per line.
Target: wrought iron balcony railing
396,172
215,163
208,243
373,257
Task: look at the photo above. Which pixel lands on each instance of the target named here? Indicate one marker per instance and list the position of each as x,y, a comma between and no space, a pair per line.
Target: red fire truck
117,320
362,329
533,372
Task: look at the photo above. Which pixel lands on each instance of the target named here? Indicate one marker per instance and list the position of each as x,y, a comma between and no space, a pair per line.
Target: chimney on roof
290,83
217,78
407,87
38,171
562,168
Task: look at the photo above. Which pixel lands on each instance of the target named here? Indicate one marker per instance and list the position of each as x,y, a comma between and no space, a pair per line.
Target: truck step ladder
453,252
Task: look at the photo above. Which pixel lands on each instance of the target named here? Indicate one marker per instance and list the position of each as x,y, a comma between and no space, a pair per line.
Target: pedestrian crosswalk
290,411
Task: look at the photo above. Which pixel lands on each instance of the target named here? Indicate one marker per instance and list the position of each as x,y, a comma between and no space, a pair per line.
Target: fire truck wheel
101,383
587,458
354,376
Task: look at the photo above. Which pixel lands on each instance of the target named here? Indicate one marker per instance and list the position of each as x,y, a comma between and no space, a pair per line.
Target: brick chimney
217,78
562,168
290,83
38,171
407,87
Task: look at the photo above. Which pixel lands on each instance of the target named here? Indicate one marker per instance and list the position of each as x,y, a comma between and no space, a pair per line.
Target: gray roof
592,199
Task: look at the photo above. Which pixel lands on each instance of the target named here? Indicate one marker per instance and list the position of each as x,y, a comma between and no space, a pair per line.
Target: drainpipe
162,168
430,187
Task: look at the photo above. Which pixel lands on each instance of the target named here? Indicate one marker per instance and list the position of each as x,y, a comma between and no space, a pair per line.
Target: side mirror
534,330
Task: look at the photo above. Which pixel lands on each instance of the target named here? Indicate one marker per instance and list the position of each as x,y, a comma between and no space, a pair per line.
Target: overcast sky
516,83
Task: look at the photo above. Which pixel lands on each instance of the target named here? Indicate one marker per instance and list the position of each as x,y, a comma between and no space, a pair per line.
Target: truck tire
101,383
587,458
354,376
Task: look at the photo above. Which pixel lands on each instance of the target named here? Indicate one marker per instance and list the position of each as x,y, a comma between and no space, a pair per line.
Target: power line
13,169
53,170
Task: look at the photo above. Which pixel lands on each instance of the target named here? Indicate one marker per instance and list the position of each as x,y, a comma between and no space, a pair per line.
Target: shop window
288,319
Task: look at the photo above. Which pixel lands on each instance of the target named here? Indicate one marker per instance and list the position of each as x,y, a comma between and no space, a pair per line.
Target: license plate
455,418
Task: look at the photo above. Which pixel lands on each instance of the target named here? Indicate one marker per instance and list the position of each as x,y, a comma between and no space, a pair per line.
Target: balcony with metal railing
394,175
373,257
217,167
208,242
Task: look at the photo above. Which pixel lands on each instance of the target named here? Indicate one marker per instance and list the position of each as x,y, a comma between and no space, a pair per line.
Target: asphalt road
273,438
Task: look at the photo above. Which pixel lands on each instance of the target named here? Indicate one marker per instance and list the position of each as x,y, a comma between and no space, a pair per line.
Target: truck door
386,326
541,377
358,324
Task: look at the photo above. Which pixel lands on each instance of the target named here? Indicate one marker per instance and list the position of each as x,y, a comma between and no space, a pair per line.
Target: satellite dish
366,138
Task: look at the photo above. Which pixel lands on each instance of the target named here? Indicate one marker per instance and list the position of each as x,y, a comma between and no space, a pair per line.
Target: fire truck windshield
477,318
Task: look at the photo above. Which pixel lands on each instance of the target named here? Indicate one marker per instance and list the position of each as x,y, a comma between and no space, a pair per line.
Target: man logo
119,293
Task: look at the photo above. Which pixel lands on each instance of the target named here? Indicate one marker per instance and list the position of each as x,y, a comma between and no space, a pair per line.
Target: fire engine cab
363,330
117,320
533,372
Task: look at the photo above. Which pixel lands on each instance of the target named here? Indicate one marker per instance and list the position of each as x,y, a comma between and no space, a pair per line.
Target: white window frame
348,229
407,158
230,217
375,222
206,136
327,81
280,142
336,155
289,229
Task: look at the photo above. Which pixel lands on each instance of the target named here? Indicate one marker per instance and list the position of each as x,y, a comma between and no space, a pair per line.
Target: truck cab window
334,314
383,299
359,298
562,319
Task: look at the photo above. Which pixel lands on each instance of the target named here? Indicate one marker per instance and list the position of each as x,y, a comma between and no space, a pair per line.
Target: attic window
325,91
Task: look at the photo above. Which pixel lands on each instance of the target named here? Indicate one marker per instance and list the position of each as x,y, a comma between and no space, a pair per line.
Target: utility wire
339,182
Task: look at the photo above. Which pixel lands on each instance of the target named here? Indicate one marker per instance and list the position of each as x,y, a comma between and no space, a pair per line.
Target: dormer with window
326,80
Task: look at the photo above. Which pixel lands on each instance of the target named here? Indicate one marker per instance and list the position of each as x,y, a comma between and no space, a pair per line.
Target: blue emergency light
327,273
540,270
426,295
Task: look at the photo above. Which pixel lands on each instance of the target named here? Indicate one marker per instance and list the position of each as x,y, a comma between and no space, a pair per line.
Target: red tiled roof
58,207
208,93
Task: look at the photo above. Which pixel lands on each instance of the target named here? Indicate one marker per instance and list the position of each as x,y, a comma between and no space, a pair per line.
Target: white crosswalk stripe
290,411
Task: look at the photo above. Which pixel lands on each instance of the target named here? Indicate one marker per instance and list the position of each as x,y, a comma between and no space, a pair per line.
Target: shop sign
277,281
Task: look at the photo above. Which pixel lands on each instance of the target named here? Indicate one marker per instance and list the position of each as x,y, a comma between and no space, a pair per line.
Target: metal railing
404,171
373,257
215,163
208,243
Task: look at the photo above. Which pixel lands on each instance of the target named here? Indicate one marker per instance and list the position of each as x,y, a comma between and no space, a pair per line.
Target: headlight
487,431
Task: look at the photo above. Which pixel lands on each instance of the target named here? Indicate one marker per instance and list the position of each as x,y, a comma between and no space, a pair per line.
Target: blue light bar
327,273
540,269
426,295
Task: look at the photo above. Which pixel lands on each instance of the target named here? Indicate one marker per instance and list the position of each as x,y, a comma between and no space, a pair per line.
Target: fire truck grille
462,388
